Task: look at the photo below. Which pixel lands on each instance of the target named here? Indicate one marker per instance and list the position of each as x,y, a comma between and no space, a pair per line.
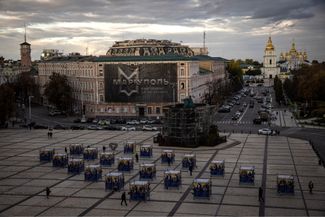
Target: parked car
266,131
54,113
149,128
111,127
78,120
94,127
143,121
83,120
59,127
133,122
128,128
39,126
76,127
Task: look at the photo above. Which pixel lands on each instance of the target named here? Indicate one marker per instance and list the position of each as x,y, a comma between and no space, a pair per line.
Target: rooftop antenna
87,50
204,39
25,31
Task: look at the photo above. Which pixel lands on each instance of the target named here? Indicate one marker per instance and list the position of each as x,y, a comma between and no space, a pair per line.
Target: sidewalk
285,118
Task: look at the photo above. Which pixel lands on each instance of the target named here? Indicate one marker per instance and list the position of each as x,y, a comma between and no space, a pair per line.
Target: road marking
243,114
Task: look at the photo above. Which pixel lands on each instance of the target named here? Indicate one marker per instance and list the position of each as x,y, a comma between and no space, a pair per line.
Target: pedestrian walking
168,160
104,148
48,191
136,157
123,199
190,168
260,194
66,150
310,186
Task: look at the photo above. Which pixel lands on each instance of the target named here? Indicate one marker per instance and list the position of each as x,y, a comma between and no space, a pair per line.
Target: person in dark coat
136,157
123,198
190,168
48,191
104,148
310,186
260,194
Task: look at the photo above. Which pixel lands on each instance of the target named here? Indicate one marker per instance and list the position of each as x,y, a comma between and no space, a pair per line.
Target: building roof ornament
269,45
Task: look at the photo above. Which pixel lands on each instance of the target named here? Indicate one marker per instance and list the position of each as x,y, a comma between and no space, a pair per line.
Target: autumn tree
59,92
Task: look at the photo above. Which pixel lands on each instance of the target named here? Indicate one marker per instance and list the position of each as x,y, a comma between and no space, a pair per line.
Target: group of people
50,133
190,163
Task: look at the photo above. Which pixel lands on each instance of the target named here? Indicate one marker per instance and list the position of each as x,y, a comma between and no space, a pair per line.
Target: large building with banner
136,78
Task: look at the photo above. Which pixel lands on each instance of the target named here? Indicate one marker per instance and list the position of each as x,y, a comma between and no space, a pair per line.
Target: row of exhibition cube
140,190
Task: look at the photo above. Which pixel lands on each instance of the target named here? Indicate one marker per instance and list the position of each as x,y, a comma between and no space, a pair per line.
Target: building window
126,109
157,110
182,86
270,62
182,72
101,98
149,110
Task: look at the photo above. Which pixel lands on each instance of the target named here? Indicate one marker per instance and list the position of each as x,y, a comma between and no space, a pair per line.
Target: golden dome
269,45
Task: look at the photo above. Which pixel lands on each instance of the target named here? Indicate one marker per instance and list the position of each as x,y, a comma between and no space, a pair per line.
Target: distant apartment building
136,77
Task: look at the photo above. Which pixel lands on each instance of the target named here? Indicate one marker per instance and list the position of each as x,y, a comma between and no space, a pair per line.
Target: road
284,123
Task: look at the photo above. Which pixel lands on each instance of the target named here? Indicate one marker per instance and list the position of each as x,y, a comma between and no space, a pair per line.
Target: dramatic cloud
235,28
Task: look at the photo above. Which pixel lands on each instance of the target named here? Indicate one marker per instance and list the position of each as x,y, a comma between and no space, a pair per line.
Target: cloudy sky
234,28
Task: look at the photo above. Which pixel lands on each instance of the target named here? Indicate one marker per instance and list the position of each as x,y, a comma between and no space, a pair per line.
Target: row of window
150,110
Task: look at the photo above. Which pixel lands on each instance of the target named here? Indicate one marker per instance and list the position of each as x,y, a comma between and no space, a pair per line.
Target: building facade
135,85
269,69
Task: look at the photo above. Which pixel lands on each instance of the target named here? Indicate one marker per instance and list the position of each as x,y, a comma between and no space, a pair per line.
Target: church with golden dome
293,58
270,68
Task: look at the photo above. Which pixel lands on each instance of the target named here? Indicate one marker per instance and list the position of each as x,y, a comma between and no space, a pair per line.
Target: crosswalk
236,122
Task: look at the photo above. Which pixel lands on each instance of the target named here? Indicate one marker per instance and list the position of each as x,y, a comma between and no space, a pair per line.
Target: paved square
23,177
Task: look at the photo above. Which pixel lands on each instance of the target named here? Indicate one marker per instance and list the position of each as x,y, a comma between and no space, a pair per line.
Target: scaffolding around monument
189,125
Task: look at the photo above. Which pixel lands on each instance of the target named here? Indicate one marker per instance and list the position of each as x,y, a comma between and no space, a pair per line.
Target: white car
143,121
133,122
128,128
149,128
266,131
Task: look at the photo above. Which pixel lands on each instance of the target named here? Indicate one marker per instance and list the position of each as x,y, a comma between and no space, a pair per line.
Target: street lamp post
30,108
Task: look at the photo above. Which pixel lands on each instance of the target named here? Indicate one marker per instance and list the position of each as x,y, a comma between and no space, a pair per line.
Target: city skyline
234,29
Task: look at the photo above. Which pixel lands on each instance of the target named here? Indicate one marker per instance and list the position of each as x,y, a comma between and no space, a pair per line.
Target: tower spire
204,39
25,32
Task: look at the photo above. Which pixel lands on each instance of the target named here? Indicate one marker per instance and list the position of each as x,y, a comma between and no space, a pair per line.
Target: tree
7,103
59,92
278,90
25,86
235,74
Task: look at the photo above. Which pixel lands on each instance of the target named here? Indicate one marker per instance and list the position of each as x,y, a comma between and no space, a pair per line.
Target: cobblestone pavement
23,178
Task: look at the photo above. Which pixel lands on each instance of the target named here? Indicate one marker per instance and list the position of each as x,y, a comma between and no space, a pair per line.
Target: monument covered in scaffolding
189,125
